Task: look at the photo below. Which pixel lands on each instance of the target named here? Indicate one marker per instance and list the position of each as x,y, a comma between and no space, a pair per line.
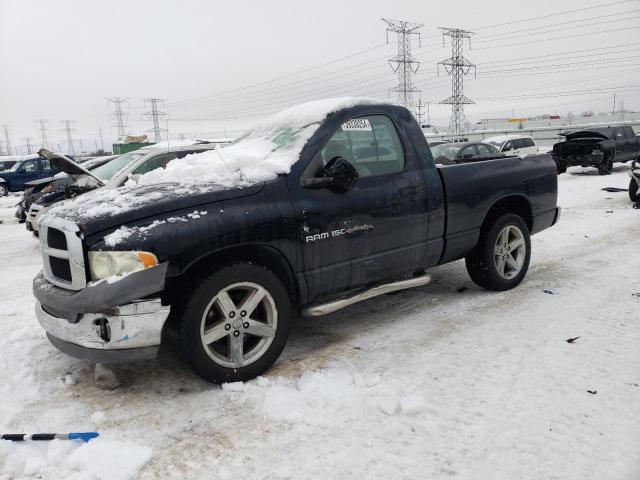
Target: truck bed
471,189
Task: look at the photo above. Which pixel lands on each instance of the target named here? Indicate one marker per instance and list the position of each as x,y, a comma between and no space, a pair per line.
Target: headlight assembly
109,264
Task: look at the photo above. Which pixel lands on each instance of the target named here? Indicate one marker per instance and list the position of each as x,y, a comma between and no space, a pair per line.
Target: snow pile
61,459
269,149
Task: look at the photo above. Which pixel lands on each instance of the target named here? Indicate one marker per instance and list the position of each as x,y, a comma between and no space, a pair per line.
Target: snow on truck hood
269,149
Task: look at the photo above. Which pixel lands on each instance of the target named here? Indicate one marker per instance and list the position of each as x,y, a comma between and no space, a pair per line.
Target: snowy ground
429,383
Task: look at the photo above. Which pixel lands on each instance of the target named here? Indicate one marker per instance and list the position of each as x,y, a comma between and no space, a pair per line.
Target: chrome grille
62,255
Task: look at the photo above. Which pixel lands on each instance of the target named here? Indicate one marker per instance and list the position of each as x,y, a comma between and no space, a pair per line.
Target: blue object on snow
84,436
548,292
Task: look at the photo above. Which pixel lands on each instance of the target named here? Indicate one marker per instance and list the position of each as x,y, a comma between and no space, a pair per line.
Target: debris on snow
592,392
571,340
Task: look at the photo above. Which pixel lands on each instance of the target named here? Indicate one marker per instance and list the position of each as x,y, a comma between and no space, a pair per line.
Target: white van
520,145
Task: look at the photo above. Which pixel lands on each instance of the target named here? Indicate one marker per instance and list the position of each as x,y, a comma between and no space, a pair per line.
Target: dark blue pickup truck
319,207
15,178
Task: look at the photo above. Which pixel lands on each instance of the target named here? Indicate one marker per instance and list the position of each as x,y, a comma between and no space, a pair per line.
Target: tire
561,165
247,344
606,167
633,190
489,265
4,191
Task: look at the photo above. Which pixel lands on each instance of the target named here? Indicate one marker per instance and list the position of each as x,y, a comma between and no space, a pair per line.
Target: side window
519,143
29,167
484,150
470,150
628,132
371,144
508,146
159,161
528,142
46,166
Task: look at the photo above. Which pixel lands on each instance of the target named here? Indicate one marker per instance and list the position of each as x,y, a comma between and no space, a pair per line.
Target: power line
119,115
555,14
155,115
457,66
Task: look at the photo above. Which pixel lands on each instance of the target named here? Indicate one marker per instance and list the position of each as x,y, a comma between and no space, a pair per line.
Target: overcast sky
210,59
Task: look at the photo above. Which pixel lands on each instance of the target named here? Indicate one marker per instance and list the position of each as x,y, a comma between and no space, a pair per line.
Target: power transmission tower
404,63
44,142
28,145
457,67
100,134
119,115
1,150
7,141
68,129
155,115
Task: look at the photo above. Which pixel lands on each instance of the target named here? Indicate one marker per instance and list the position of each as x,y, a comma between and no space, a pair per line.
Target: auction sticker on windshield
357,124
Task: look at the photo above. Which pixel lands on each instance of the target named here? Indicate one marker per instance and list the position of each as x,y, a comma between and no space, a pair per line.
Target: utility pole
7,142
28,145
457,67
68,129
100,134
119,115
155,115
1,150
613,112
44,142
80,142
404,63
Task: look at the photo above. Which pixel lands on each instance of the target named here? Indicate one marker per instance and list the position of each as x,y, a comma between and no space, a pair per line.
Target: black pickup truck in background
597,147
361,211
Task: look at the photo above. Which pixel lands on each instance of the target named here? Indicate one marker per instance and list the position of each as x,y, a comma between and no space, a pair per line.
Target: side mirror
337,175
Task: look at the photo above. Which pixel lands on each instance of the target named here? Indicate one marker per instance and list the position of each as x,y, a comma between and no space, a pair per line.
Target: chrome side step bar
336,305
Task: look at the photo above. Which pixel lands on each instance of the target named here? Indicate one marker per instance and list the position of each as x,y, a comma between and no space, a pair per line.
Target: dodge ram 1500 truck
597,147
318,207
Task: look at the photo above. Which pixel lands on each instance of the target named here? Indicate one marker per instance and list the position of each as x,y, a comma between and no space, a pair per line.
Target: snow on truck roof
270,148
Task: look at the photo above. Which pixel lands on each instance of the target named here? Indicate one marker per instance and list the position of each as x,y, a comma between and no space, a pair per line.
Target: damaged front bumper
104,323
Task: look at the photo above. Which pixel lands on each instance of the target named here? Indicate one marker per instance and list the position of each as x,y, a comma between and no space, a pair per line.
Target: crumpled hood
584,134
106,207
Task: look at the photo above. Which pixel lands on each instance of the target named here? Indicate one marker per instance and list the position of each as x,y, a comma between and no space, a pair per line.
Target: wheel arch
517,204
259,254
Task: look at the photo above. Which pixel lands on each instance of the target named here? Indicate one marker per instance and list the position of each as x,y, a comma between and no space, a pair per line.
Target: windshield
15,167
445,150
108,170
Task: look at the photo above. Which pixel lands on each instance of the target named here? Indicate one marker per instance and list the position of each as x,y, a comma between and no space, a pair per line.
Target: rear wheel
633,190
606,167
235,324
501,259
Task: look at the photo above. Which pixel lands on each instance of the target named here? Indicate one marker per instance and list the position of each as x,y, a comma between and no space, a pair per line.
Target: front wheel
633,190
235,324
501,259
4,191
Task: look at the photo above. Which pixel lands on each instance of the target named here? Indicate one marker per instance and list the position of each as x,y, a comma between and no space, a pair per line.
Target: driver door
373,232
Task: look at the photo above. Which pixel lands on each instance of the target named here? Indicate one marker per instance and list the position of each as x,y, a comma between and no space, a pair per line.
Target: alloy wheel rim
509,252
239,324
